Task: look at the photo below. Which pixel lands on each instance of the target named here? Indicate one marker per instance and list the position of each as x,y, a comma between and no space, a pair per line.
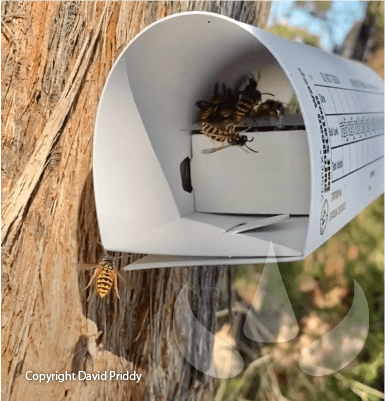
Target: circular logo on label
324,217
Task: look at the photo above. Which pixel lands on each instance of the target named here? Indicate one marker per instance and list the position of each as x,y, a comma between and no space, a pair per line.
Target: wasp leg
116,286
95,273
89,296
122,277
90,282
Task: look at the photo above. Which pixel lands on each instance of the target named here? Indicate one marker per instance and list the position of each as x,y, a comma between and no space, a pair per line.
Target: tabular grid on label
355,121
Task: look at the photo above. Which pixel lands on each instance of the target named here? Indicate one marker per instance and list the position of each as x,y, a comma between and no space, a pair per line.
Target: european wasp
227,134
105,276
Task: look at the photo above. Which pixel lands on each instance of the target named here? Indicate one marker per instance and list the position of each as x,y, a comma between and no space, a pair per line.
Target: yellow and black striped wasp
228,134
220,108
270,108
105,276
249,98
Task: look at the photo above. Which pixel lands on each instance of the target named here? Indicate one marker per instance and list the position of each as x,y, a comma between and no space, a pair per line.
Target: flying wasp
105,276
227,134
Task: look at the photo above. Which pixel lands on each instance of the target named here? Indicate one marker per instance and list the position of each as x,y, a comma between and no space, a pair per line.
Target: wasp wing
86,266
212,150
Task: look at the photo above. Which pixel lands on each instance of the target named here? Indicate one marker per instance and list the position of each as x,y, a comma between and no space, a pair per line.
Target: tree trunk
55,60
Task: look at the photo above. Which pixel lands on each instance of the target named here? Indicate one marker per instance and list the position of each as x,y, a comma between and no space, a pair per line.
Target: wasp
219,108
249,97
270,108
227,134
106,277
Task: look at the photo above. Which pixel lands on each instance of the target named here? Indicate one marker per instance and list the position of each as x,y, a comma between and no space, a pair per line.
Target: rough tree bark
55,59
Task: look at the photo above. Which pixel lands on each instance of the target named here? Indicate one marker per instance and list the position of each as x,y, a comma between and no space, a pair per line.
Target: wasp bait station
215,139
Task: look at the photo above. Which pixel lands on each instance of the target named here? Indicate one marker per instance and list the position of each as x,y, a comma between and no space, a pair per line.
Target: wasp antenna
224,89
230,95
250,148
267,94
105,252
102,245
250,140
216,89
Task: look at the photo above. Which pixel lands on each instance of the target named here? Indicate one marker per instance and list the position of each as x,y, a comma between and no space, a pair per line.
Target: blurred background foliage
320,288
296,34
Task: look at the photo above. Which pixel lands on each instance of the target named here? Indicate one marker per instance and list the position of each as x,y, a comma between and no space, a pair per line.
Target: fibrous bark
56,57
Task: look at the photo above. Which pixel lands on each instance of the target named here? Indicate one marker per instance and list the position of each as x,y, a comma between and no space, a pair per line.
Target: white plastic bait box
273,181
157,193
